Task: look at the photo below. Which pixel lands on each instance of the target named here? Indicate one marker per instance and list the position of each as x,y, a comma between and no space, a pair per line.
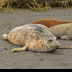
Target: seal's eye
50,41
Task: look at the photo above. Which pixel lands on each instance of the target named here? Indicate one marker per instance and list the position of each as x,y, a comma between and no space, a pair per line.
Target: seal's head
51,43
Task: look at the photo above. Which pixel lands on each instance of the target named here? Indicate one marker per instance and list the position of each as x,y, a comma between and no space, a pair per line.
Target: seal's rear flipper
5,36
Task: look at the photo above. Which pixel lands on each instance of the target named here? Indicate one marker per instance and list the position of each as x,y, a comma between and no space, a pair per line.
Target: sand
60,59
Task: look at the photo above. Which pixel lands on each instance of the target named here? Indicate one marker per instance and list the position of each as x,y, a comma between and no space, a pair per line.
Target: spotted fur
33,37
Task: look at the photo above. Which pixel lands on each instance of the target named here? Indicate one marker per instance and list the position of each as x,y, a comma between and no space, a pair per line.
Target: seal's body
50,22
33,37
63,31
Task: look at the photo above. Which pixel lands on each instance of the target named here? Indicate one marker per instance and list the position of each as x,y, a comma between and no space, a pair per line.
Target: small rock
5,49
42,59
0,50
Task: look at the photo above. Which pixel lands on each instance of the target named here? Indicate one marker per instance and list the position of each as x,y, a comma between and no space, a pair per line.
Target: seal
63,31
50,22
33,37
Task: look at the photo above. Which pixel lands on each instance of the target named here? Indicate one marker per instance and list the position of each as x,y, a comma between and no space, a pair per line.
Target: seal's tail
5,36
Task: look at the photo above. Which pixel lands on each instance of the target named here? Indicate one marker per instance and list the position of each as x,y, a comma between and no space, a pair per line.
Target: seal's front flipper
20,49
17,50
65,47
65,37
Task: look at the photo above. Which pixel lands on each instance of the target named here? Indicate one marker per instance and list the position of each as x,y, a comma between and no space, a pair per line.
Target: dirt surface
60,59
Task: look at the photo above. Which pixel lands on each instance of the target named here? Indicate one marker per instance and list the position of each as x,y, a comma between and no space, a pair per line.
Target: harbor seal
50,22
63,31
33,37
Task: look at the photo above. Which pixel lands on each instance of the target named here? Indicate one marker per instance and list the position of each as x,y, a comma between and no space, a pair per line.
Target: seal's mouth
54,47
51,49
